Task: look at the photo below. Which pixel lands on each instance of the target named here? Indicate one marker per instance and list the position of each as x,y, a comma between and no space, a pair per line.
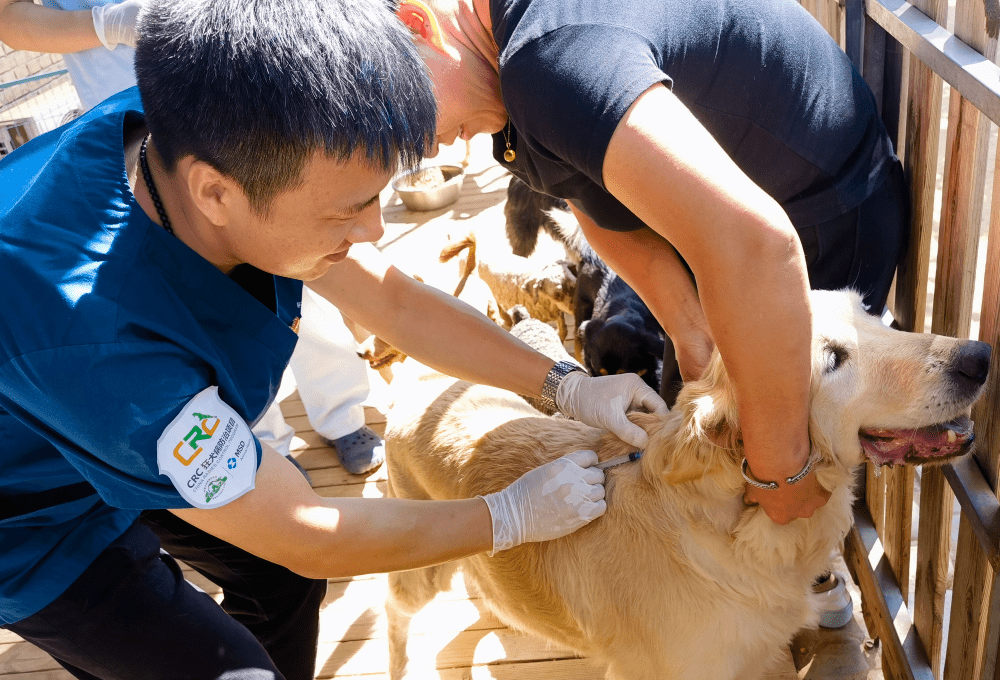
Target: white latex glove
115,23
550,501
603,402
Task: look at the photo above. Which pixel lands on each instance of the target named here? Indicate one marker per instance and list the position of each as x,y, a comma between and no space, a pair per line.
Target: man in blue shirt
153,253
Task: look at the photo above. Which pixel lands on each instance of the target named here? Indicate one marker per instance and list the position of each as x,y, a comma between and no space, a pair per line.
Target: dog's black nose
972,362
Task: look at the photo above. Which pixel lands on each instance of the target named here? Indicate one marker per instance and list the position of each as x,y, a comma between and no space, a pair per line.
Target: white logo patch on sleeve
207,451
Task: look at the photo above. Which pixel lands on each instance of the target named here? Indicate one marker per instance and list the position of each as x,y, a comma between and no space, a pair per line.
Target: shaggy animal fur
380,355
680,579
541,337
616,332
527,213
546,292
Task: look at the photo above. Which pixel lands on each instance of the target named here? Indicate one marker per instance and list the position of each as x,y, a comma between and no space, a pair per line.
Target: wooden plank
439,650
903,654
965,163
896,536
921,149
933,556
976,77
563,669
991,651
873,59
979,505
966,629
961,214
835,21
958,244
986,417
559,669
894,84
855,31
987,409
875,496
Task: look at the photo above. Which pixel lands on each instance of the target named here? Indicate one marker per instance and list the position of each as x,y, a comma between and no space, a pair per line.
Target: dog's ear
706,433
589,330
654,344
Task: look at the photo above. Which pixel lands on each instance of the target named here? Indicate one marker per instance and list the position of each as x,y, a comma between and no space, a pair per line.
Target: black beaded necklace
151,186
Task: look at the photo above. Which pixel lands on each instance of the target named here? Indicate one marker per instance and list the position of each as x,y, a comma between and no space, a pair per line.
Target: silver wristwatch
552,380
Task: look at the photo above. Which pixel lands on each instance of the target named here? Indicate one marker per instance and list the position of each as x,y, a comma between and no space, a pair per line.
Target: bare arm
751,277
282,520
27,26
643,256
435,328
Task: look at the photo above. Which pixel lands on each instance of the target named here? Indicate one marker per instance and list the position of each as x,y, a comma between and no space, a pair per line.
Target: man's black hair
256,87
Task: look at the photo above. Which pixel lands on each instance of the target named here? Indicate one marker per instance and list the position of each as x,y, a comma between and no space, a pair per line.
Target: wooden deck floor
453,638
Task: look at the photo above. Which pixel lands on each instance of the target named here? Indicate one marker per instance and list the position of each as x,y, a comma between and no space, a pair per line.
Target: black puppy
527,213
616,333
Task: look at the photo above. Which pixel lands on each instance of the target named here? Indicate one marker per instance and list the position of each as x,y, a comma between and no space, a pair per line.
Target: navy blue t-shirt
762,76
110,328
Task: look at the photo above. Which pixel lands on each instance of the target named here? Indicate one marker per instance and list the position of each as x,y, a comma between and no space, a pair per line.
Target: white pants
331,378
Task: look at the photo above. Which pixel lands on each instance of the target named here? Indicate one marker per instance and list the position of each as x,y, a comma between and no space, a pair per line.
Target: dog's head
622,344
891,396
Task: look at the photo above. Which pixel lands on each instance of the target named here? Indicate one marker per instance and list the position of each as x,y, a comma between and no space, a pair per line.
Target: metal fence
35,104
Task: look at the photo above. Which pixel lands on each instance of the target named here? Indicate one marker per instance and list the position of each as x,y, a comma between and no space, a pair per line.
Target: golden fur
679,579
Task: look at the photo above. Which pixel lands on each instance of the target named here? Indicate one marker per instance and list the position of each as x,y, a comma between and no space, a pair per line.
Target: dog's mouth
884,446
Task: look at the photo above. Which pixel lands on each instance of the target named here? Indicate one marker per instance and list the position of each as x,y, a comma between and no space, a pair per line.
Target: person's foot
836,608
300,468
360,451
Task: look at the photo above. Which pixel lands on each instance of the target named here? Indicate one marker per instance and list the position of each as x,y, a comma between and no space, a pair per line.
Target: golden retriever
680,579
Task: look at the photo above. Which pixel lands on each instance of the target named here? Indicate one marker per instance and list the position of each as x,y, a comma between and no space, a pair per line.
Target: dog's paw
378,353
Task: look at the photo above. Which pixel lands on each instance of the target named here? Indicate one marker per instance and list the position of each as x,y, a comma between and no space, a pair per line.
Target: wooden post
855,31
958,244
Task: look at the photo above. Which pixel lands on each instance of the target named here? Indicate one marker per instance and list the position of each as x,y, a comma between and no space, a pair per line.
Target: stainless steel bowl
430,198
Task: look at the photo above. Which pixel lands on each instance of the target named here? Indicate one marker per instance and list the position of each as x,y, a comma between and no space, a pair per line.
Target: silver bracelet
552,380
771,486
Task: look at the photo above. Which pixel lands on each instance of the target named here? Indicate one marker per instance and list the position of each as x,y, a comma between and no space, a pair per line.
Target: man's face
310,228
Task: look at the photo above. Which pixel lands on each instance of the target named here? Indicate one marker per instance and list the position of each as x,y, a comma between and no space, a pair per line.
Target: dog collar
772,486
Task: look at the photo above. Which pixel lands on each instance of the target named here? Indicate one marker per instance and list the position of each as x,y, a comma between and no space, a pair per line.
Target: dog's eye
833,357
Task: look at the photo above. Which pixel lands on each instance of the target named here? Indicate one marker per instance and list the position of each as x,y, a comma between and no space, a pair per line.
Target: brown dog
680,579
546,291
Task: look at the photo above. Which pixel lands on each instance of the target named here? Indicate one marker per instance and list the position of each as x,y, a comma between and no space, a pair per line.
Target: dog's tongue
895,447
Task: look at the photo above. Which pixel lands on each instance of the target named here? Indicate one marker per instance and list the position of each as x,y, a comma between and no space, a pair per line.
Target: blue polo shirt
110,326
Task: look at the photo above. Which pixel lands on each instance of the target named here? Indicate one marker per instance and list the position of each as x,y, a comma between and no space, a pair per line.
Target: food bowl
429,188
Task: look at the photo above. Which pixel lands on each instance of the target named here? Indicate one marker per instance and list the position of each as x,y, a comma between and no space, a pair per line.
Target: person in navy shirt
153,254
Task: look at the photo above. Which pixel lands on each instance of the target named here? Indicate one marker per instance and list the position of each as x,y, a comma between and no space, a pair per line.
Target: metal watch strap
552,380
771,486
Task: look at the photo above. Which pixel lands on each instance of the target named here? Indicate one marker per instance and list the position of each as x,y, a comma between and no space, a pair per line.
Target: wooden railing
905,53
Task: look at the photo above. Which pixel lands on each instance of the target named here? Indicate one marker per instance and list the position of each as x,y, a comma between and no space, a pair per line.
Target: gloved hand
604,400
115,23
550,501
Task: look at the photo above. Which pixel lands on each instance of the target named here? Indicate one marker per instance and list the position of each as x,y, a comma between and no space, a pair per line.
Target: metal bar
979,504
900,642
969,72
40,76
